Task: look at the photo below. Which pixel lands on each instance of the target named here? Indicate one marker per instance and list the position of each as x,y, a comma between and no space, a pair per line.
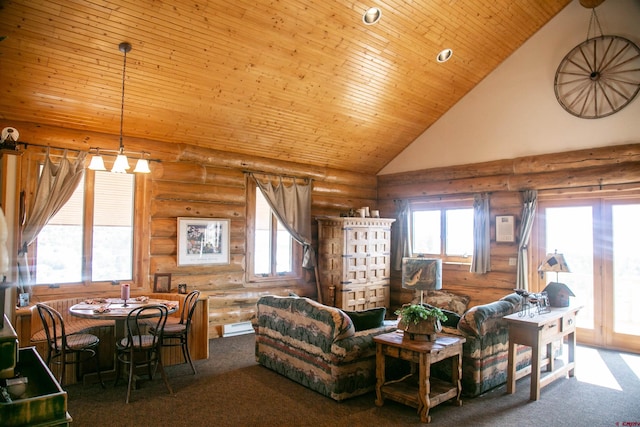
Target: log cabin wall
191,181
585,171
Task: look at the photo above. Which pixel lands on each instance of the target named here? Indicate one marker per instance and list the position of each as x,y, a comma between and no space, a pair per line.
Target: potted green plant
420,322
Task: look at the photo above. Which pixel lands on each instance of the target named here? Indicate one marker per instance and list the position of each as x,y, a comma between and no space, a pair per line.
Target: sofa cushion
445,300
367,319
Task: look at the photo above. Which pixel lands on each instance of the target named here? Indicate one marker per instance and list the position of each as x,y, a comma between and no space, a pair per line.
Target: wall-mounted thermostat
505,229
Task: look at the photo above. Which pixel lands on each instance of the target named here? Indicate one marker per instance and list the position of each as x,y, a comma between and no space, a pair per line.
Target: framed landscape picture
203,241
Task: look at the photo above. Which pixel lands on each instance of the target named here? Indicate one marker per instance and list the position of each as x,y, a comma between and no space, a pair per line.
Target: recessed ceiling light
444,55
371,16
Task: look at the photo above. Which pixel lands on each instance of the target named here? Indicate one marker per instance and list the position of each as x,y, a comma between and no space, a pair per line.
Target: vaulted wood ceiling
296,80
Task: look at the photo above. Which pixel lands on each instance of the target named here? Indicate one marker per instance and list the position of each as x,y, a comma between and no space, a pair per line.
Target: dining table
118,310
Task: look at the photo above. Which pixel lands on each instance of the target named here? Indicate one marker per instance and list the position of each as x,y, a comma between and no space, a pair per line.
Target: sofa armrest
486,318
360,345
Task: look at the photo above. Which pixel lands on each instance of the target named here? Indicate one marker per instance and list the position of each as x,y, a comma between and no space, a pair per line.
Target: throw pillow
444,299
367,319
452,317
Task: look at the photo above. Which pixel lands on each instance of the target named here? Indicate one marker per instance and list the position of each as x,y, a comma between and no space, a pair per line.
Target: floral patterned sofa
485,352
316,345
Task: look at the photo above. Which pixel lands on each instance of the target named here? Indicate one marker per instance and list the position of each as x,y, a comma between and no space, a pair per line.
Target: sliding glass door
599,238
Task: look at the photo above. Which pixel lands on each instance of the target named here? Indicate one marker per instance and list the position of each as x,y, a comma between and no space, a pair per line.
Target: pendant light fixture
121,164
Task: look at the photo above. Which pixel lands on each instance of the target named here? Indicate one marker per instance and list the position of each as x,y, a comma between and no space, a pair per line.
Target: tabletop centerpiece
420,322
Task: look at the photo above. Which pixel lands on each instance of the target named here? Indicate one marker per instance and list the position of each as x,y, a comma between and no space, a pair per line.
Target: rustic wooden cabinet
354,261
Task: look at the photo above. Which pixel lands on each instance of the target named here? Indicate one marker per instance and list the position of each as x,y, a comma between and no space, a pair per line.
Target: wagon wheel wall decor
598,77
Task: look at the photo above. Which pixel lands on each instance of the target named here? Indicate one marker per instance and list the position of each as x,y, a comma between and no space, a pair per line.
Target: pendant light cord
124,48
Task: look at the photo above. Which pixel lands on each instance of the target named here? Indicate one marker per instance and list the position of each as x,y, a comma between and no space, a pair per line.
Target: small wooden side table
422,392
536,332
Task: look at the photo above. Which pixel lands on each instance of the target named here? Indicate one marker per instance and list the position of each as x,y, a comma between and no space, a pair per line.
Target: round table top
115,309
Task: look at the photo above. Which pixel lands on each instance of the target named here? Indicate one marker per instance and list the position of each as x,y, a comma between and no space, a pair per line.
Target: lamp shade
121,164
142,166
554,262
97,163
422,273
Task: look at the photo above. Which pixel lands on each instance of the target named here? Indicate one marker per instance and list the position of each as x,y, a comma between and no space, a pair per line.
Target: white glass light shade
97,163
142,166
121,165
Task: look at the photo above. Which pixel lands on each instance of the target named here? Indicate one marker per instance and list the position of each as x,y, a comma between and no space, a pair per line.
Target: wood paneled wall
198,182
588,171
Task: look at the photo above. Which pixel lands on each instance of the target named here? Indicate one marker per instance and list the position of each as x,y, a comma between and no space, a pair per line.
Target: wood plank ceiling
295,80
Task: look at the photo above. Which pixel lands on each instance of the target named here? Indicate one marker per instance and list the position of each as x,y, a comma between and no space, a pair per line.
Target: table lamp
558,293
422,273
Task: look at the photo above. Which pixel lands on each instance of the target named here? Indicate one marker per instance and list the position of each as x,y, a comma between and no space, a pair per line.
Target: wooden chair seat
174,329
176,332
80,325
139,348
138,341
61,344
78,342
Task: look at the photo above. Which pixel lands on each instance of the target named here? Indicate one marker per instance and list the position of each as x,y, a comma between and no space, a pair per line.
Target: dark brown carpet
230,389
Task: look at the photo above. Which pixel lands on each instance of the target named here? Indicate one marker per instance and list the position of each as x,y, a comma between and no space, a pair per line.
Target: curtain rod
441,197
26,144
278,176
92,151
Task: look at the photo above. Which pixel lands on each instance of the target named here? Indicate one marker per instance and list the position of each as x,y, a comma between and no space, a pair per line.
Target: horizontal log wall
196,182
590,170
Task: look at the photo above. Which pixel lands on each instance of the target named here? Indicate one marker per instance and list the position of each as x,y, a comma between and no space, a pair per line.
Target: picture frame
505,229
162,282
203,241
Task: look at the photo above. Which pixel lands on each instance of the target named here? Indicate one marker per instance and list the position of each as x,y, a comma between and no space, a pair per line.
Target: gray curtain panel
292,206
530,203
481,261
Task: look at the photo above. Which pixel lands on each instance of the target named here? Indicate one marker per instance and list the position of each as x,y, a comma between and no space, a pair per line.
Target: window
443,230
275,254
95,224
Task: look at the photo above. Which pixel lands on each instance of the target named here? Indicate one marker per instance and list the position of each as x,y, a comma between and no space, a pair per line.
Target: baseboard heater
239,328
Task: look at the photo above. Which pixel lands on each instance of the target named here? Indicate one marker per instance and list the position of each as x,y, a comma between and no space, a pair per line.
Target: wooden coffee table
419,391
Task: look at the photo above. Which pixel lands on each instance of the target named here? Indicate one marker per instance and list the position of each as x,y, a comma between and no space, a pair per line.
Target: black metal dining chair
176,332
67,349
140,348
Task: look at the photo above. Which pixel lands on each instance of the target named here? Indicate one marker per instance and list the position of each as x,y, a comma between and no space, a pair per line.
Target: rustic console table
422,391
536,332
